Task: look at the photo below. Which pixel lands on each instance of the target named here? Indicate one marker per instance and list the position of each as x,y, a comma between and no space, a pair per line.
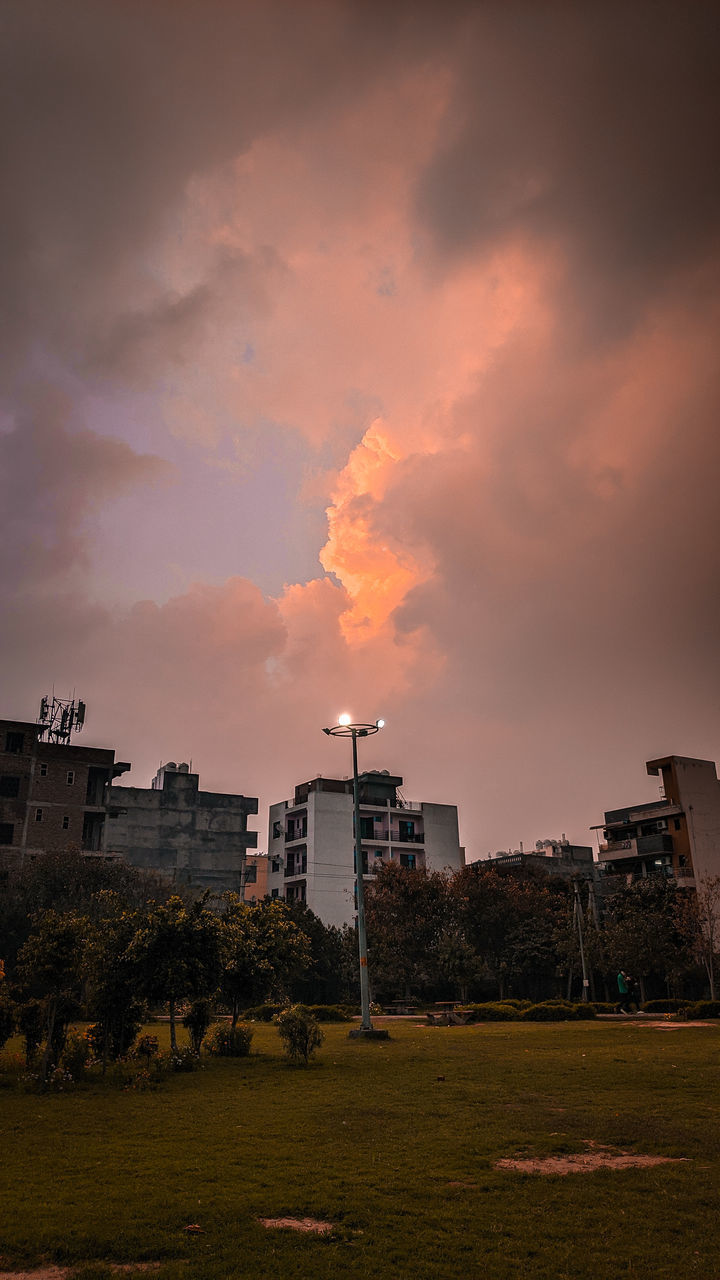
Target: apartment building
676,835
311,840
52,794
554,857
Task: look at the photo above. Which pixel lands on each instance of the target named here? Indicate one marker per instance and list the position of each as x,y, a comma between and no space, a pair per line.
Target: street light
345,728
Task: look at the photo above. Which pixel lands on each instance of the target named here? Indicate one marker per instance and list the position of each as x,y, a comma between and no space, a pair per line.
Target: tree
67,881
262,951
50,966
700,920
643,931
113,977
406,912
323,980
177,952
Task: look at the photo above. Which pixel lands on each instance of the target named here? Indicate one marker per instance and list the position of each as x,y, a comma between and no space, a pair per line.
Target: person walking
623,993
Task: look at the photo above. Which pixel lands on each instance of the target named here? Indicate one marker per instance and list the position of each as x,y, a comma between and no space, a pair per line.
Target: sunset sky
364,356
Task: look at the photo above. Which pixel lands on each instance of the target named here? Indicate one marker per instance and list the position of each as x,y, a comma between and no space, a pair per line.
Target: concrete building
555,857
52,795
255,877
192,837
676,835
311,840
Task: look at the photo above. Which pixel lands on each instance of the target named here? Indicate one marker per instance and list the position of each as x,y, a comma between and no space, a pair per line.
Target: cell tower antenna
60,717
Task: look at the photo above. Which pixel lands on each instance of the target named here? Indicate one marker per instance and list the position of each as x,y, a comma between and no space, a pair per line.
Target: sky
362,356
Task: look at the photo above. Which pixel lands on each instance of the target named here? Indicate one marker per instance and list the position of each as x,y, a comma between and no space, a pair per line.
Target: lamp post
345,728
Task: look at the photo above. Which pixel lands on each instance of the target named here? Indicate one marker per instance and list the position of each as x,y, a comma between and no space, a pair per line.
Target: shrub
602,1006
197,1020
180,1060
584,1012
146,1047
75,1055
263,1012
557,1011
328,1012
299,1032
494,1011
7,1020
223,1041
30,1017
704,1009
665,1006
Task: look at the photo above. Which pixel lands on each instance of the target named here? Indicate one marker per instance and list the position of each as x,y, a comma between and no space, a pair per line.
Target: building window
14,743
38,815
9,787
70,779
43,770
678,824
407,860
277,830
7,830
275,893
66,822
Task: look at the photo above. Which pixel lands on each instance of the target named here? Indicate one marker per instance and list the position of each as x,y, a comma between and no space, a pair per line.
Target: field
393,1143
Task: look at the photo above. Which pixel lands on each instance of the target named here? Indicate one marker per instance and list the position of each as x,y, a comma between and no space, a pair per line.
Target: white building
311,840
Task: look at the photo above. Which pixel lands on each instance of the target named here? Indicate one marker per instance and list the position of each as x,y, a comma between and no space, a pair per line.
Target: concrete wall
193,837
442,838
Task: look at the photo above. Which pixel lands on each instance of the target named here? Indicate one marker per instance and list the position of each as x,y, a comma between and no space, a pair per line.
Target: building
53,795
555,857
255,875
311,840
676,835
192,837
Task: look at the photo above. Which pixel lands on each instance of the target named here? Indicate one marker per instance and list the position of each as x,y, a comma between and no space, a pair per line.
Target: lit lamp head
344,718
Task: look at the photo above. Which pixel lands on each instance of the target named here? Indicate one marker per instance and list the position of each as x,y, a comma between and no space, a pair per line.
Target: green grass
369,1138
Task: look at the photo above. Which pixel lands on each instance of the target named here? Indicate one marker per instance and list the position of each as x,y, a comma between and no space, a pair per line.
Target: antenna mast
59,718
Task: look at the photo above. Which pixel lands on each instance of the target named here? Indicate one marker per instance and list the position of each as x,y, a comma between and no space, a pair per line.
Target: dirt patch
295,1224
584,1162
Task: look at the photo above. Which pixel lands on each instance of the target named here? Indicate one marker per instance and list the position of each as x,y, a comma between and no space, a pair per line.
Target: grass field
372,1140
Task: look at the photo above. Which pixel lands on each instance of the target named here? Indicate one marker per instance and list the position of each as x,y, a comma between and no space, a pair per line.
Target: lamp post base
368,1033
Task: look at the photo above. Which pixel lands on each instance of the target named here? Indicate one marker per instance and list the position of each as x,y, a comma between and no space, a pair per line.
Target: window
70,779
407,860
678,824
9,787
7,830
277,830
66,822
38,815
275,893
43,771
14,743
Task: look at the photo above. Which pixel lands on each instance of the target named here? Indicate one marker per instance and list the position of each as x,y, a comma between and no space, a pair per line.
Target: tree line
105,941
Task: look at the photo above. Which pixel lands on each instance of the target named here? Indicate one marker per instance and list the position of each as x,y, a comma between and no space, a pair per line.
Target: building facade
554,857
191,837
311,840
52,795
676,835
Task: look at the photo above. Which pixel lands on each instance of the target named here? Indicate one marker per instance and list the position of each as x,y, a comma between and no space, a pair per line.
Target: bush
180,1060
665,1006
224,1042
75,1055
7,1020
494,1011
147,1047
263,1012
30,1018
584,1012
327,1012
602,1006
557,1011
704,1009
299,1032
197,1020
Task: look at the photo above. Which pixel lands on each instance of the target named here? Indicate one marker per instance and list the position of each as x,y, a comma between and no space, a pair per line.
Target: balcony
414,837
640,847
293,835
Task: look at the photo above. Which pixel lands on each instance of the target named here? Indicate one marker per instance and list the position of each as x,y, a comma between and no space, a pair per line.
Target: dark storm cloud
590,128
